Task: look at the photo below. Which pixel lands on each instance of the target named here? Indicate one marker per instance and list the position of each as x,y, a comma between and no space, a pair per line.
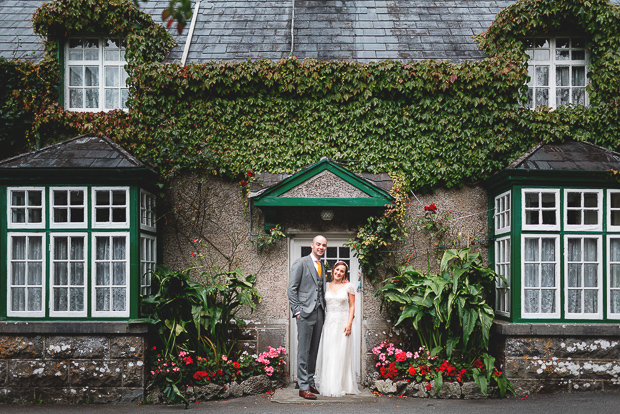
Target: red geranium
412,371
236,365
432,208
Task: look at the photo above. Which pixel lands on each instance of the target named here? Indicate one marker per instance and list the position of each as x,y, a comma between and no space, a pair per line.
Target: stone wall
100,362
549,358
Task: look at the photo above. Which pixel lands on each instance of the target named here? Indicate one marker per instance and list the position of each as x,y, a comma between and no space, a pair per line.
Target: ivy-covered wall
434,123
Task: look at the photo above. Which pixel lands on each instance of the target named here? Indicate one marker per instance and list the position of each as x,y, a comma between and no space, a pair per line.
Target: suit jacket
303,286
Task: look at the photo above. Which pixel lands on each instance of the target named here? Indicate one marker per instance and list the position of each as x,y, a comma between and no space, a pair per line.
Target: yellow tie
318,262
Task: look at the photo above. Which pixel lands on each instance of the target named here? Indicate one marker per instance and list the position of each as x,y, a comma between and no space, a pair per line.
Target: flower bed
184,378
423,374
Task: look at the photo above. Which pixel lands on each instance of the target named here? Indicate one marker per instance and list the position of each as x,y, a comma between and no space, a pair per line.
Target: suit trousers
309,331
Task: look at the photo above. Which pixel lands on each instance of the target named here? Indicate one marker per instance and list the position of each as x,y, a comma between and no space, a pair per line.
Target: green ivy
433,123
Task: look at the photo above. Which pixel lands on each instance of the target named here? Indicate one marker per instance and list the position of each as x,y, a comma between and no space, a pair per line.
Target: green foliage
264,241
448,310
200,318
381,233
433,123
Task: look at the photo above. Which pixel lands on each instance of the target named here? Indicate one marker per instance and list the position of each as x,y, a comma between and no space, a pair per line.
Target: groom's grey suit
306,294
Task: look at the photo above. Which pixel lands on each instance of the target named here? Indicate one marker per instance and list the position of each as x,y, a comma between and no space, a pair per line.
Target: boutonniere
325,265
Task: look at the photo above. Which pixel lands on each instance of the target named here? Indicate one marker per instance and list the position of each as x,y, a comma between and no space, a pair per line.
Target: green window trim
604,232
130,230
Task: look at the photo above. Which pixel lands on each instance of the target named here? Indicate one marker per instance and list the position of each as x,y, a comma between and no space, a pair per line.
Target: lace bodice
339,301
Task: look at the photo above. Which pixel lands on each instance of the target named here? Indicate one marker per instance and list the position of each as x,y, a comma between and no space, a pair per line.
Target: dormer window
558,71
95,76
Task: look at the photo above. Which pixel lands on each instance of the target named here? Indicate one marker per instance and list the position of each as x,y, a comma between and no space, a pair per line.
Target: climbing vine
433,123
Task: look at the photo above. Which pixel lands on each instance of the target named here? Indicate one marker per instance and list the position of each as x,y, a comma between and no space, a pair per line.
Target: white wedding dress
334,369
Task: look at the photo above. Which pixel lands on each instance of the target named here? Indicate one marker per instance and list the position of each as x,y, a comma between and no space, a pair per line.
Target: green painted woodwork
271,200
516,181
133,230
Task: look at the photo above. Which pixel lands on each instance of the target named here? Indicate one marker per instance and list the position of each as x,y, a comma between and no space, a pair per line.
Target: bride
335,376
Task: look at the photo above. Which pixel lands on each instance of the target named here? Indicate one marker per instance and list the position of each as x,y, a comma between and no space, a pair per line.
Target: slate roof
362,30
568,156
80,152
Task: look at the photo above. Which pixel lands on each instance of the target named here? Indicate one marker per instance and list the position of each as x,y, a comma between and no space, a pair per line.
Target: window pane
102,198
103,274
119,248
615,301
574,301
590,248
579,55
562,77
111,98
61,303
579,76
75,76
112,76
103,248
562,96
548,217
531,301
531,200
76,299
531,250
35,299
614,250
118,295
542,76
76,98
590,276
574,250
573,217
590,301
91,76
92,98
562,54
548,200
542,97
531,275
102,299
91,47
548,250
579,96
541,55
19,274
548,275
590,200
124,96
547,301
18,302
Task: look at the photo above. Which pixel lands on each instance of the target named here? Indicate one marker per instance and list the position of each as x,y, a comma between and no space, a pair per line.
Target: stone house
546,221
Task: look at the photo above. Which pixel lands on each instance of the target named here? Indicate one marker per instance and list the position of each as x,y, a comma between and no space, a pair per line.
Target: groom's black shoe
307,395
314,389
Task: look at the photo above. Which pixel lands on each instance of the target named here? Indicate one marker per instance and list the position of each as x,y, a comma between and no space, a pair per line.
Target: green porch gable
324,184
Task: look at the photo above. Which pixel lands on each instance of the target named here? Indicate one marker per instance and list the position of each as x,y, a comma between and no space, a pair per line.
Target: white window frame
148,261
541,227
26,224
68,225
557,288
552,64
9,279
609,288
610,209
583,227
502,267
148,207
93,278
502,211
101,64
109,224
68,313
599,296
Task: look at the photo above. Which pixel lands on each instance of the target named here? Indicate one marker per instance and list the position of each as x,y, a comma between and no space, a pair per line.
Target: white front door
300,246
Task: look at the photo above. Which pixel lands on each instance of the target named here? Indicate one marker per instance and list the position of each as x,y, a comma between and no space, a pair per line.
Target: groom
306,294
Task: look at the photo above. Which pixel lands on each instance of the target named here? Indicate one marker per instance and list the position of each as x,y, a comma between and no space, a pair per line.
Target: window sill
68,327
554,329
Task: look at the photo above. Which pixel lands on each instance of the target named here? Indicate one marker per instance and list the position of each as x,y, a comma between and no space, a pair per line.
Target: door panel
300,246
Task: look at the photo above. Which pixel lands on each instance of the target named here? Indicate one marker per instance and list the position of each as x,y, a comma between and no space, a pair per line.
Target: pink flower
269,371
224,358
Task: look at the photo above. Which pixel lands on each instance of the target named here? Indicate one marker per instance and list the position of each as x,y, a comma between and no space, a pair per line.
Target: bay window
69,250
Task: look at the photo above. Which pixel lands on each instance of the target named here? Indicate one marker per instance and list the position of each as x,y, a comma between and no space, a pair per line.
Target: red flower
250,173
383,371
198,375
193,254
478,364
243,183
401,356
236,365
412,371
432,208
428,387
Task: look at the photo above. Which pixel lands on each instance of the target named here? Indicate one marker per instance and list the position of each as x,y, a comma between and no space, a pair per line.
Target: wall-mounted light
327,215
